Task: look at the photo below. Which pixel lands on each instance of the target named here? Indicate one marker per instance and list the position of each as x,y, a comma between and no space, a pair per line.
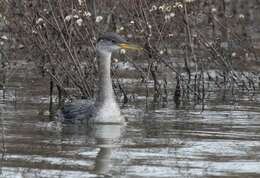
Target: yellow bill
130,46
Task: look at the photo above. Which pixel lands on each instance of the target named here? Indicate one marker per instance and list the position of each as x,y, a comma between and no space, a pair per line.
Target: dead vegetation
200,46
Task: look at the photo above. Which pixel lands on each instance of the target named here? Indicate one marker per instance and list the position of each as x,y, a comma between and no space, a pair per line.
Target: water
222,141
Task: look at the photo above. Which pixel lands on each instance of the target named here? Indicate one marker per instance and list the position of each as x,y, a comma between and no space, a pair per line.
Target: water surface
162,141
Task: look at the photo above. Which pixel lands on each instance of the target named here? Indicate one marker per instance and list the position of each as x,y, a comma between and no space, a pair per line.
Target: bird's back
80,110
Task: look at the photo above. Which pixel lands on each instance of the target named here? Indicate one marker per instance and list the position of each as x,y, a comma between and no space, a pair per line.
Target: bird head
111,42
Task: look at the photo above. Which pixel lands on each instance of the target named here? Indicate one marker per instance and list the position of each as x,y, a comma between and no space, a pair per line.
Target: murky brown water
222,141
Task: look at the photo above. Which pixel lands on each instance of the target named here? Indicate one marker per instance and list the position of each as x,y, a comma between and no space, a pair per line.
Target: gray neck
105,90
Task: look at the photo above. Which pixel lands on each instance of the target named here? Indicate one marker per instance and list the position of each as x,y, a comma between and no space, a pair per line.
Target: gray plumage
78,110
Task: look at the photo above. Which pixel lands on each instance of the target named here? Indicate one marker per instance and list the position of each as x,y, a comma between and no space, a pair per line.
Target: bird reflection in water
107,139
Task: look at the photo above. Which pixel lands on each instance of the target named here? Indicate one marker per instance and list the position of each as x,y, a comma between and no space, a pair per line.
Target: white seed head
99,19
168,8
80,2
241,16
87,14
161,52
68,17
162,7
172,14
4,37
178,5
20,46
39,20
76,16
213,10
79,22
154,8
167,17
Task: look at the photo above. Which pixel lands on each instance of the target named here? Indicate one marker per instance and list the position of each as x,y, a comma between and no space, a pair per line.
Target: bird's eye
113,41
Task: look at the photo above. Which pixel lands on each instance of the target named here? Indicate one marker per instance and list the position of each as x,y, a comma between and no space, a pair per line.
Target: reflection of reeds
3,148
6,75
204,36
